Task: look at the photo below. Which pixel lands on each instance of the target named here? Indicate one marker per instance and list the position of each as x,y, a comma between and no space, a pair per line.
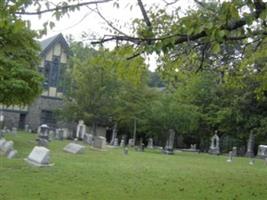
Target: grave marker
39,157
74,148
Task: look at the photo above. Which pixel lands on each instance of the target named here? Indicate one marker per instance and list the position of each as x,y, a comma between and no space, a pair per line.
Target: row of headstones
5,130
40,155
131,143
262,149
7,149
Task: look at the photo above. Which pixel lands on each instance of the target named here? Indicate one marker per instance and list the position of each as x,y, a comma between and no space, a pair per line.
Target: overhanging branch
60,8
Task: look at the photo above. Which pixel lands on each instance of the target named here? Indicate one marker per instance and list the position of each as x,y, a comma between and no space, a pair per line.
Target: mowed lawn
100,175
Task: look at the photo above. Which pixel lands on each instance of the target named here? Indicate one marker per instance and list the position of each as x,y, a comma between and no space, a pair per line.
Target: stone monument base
249,154
215,151
168,151
38,164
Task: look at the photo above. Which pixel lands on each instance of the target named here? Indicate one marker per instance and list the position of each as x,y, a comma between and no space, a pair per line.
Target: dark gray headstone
250,145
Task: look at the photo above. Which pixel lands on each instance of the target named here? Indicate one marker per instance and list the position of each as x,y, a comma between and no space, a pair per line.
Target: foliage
20,82
103,81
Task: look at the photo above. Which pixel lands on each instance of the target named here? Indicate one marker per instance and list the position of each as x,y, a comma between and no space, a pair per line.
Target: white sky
86,21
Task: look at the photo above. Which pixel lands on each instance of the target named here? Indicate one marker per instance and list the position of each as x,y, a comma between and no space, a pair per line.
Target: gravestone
215,144
52,135
250,145
262,151
116,142
40,157
66,133
74,148
114,135
7,147
26,128
252,161
169,149
193,147
2,142
99,142
131,142
122,144
12,154
125,150
14,131
81,129
43,135
230,157
234,150
141,145
1,120
60,134
150,143
88,138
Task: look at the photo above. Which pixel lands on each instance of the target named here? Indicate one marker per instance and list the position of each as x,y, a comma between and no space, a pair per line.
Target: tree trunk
94,128
134,132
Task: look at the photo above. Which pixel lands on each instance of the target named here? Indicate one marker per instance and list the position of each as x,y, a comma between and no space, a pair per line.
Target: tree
214,35
99,80
20,82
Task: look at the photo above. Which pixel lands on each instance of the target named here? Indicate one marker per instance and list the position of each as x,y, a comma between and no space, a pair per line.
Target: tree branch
58,8
144,13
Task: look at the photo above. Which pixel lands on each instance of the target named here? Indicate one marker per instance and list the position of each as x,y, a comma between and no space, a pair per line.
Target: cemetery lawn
108,175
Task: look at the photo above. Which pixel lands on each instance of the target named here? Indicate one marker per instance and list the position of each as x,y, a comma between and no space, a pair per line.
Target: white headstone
88,138
262,151
234,151
81,129
1,117
12,154
215,144
40,156
230,158
150,143
26,128
116,142
252,161
99,142
7,147
122,143
14,131
131,142
2,142
74,148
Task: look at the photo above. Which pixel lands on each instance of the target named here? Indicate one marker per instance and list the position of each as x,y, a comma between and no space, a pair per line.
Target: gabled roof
48,43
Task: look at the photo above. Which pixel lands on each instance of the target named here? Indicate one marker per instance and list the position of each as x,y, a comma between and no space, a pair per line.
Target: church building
54,56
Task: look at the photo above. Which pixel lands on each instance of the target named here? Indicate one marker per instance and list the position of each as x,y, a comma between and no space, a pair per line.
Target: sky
89,22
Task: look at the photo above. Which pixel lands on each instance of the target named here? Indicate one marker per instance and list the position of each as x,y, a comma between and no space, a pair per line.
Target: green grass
99,175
